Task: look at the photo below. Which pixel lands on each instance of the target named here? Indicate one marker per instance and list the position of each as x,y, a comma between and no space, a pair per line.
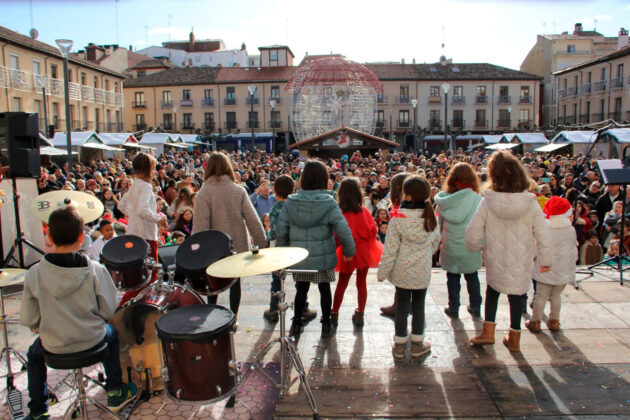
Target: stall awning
180,145
53,151
502,146
100,146
138,146
551,147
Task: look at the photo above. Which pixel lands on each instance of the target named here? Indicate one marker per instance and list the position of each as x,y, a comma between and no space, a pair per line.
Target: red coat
368,248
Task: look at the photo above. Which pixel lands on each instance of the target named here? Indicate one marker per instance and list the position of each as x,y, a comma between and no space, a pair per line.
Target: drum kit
170,339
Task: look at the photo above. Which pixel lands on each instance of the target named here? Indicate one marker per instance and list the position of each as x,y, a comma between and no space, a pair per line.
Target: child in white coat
411,241
510,227
550,284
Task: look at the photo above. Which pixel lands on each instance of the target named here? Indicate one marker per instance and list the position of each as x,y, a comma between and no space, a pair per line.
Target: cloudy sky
499,32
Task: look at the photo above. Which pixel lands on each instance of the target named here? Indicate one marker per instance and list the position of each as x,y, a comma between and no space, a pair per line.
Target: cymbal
12,276
88,206
251,264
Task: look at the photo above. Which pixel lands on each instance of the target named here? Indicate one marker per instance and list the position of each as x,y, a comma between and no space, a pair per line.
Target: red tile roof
254,74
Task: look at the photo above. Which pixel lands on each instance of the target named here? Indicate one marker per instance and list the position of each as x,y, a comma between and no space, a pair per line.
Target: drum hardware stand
289,356
20,238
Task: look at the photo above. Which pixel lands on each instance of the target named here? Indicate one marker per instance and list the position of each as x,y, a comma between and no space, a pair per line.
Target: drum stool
76,362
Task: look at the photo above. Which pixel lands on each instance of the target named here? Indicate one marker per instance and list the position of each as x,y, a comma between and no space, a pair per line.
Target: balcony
186,102
380,123
481,123
562,93
208,126
381,99
99,96
229,101
135,104
457,123
599,86
252,124
74,91
120,100
41,82
525,124
4,77
561,120
404,124
100,127
166,104
406,99
481,99
110,98
275,124
76,125
89,125
114,127
188,125
167,125
87,93
249,100
208,101
137,126
435,100
574,52
231,125
59,124
525,99
505,100
57,87
584,119
585,89
435,124
20,80
569,119
572,91
598,116
503,124
616,84
615,116
458,100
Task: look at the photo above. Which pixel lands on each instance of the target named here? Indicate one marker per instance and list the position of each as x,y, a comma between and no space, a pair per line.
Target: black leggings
516,307
235,297
301,295
409,299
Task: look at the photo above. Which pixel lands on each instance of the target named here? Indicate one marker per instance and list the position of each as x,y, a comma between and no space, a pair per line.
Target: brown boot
554,325
334,318
533,326
391,309
512,340
486,336
357,318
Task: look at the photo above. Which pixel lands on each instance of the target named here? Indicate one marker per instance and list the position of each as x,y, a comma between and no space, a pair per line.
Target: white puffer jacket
565,253
511,229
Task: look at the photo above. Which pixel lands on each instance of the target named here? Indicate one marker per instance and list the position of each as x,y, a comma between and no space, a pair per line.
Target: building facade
31,76
594,91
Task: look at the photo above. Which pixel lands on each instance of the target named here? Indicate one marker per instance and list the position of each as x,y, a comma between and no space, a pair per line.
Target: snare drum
125,257
196,253
198,353
135,323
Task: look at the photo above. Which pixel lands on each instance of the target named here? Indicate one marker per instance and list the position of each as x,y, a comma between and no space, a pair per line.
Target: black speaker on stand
19,151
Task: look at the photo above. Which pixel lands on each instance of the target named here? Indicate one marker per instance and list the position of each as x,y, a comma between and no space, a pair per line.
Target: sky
473,31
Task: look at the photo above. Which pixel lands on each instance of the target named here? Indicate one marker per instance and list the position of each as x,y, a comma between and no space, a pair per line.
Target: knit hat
557,207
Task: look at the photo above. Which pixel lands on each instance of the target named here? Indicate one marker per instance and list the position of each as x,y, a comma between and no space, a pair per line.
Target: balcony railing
110,98
572,91
99,96
404,124
435,100
186,102
100,127
404,99
275,123
481,99
138,127
76,125
381,99
504,99
4,77
167,125
616,84
616,116
435,124
208,126
188,125
503,124
231,125
562,93
120,100
252,124
457,123
166,104
135,104
584,119
575,52
208,101
569,119
74,91
59,123
599,86
481,123
458,100
249,100
89,125
87,93
598,116
229,101
585,89
114,127
525,99
380,123
20,80
41,82
524,124
561,120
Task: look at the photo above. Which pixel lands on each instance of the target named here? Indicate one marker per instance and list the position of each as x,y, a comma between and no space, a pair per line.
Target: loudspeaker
19,144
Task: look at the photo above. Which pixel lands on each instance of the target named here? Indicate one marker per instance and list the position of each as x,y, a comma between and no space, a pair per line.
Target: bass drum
135,323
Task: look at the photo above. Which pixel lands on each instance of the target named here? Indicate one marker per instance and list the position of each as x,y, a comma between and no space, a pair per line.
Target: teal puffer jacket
455,212
308,220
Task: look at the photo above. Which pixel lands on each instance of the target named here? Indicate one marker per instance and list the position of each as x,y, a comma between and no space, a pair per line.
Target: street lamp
445,88
65,45
252,91
272,102
174,129
414,103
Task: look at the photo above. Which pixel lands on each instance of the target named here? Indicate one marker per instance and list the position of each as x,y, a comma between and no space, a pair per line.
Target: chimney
622,41
402,61
243,47
413,61
131,48
191,41
578,29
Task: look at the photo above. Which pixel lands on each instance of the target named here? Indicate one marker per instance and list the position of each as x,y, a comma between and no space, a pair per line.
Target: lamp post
391,128
414,103
65,45
175,114
509,121
252,91
272,102
445,88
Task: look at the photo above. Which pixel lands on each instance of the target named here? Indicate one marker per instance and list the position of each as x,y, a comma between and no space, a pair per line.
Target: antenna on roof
169,36
116,12
595,25
443,44
544,28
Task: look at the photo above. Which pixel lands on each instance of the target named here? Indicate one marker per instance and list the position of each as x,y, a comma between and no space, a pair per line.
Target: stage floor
582,371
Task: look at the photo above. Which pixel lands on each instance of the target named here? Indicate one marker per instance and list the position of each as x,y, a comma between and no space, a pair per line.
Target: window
95,82
504,117
458,117
327,91
327,117
588,111
434,94
458,91
230,120
564,112
140,121
37,107
83,79
603,107
481,90
524,115
589,77
617,109
275,92
107,84
620,71
524,91
480,117
115,86
14,61
53,71
167,121
84,117
571,49
229,92
252,119
404,93
565,83
603,73
380,117
36,67
273,55
166,96
403,118
17,105
139,99
504,90
207,93
208,121
141,73
434,116
187,117
186,94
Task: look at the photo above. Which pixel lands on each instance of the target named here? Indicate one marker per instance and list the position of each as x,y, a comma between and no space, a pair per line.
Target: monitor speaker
19,144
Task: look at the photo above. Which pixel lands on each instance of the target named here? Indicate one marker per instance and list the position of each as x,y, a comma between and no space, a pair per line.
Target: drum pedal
16,408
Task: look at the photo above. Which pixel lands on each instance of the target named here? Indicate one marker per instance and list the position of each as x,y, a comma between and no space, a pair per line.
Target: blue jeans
275,287
454,286
36,370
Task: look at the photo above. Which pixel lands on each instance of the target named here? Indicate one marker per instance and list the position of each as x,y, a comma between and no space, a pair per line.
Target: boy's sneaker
42,416
116,400
271,315
419,348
